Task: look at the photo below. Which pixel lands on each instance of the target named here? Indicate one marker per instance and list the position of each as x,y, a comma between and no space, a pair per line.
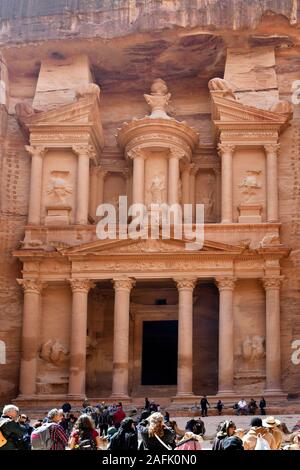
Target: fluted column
84,153
30,335
273,355
173,178
36,179
226,334
226,153
77,372
272,182
93,191
193,173
121,337
185,177
138,180
185,288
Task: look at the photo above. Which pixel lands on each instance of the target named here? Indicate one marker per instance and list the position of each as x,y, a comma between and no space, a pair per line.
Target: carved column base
250,213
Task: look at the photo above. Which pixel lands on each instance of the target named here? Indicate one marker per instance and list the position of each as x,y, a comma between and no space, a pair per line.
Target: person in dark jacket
204,404
262,406
126,437
155,434
225,429
10,428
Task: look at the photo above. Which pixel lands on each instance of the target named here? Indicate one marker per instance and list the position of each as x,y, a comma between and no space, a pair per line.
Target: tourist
10,428
195,426
190,441
147,404
271,423
232,443
252,406
250,438
118,416
295,445
225,429
262,406
242,407
204,404
155,434
220,407
84,436
126,436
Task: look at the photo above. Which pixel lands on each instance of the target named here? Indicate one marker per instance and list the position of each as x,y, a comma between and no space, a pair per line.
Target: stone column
138,180
193,173
273,355
121,337
77,372
30,335
226,334
272,182
36,179
173,177
101,174
84,153
226,153
93,191
185,184
185,288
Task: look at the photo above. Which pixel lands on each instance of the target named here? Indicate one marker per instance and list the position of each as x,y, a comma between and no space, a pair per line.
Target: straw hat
270,422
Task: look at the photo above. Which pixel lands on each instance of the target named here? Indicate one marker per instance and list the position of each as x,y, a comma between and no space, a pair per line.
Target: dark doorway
159,358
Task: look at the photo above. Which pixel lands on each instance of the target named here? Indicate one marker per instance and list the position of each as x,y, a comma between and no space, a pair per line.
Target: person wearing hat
250,438
271,424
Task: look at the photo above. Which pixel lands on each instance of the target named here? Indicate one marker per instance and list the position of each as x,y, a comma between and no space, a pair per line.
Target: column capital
272,148
100,171
185,283
125,283
136,153
81,285
36,150
176,153
225,148
272,282
225,282
84,150
32,285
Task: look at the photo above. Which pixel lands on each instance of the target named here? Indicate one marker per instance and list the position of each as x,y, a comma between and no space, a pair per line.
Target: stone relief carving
157,188
270,239
206,193
158,100
219,84
59,190
250,185
253,348
53,351
88,89
283,107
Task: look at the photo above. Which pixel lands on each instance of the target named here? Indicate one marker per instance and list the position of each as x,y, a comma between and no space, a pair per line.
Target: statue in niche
158,100
59,189
53,351
206,193
156,189
253,348
114,200
250,185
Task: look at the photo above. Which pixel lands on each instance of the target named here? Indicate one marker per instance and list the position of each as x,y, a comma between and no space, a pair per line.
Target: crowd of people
103,426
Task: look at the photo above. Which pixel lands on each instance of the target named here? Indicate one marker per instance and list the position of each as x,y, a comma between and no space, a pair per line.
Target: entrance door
159,357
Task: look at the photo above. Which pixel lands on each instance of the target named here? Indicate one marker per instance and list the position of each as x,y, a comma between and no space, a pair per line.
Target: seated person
242,407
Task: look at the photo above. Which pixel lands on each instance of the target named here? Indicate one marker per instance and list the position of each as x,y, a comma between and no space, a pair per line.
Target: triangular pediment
148,246
230,110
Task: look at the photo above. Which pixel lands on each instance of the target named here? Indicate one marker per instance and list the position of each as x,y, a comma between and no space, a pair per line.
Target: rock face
48,50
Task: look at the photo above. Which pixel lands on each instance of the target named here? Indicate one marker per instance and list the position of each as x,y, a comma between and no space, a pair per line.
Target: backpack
40,438
261,443
85,443
3,439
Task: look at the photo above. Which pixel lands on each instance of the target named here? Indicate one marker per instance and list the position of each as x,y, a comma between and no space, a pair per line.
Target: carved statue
253,348
88,89
221,85
250,185
206,193
24,110
53,351
270,240
158,100
59,189
157,188
283,107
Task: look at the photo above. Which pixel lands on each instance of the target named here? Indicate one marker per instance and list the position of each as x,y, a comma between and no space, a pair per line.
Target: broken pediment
148,246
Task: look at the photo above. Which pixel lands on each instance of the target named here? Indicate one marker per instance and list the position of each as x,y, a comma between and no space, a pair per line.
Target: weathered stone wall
128,44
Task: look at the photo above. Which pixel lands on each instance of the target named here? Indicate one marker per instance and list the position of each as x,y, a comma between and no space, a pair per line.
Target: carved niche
53,352
58,204
206,194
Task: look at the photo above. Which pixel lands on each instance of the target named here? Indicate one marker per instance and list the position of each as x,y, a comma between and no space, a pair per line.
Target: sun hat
270,422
